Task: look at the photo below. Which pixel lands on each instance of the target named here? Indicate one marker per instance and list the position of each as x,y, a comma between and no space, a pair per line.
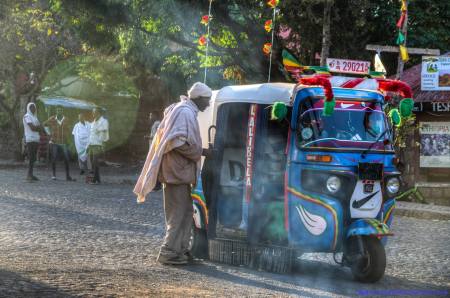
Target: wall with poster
434,144
435,74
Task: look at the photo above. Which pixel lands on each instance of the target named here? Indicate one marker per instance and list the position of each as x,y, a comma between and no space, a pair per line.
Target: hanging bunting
202,40
273,3
400,38
403,5
267,48
268,25
404,53
205,20
401,21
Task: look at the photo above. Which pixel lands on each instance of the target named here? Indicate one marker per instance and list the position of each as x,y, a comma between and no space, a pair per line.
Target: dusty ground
67,239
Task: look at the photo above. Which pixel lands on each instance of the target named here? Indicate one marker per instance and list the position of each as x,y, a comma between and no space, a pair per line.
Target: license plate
370,171
368,188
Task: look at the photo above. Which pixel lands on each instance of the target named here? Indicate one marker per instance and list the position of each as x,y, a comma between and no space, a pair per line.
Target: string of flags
401,39
269,26
204,39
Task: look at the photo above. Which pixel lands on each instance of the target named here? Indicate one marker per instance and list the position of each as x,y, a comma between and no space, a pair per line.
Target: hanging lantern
268,25
205,20
202,40
267,48
273,3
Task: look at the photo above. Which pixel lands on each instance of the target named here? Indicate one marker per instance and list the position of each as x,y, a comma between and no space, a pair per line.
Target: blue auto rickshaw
274,189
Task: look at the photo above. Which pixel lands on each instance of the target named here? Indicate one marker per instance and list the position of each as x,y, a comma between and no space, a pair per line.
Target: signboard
348,66
434,144
437,107
435,73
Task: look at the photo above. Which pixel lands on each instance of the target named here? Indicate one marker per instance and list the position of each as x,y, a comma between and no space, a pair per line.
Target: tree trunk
326,32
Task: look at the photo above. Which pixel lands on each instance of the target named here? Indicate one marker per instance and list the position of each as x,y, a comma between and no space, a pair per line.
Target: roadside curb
422,211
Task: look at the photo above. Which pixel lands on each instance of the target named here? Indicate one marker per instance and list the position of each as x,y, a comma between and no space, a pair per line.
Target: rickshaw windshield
352,125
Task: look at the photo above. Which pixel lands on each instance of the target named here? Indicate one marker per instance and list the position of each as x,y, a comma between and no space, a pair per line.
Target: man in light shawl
32,127
81,132
174,160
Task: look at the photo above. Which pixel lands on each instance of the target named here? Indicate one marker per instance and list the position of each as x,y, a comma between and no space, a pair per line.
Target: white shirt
99,132
30,135
81,134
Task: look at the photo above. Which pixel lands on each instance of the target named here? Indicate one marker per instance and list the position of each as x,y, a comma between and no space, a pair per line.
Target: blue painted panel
315,223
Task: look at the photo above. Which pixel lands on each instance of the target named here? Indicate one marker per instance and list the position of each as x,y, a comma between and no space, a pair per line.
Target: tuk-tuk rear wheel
371,266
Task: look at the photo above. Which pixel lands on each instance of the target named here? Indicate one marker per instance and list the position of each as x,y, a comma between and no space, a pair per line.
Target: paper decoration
379,67
273,3
401,20
205,20
268,25
400,38
202,40
279,111
404,53
267,48
403,8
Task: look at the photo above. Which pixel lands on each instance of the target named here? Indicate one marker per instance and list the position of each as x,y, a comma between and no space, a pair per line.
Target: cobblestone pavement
61,238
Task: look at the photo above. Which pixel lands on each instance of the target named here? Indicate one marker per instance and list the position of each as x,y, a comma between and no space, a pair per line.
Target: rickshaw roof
267,93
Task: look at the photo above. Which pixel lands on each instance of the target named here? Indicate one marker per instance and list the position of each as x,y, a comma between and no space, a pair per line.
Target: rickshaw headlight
333,184
393,185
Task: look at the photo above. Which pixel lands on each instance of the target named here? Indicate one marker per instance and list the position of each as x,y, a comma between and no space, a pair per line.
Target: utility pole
326,32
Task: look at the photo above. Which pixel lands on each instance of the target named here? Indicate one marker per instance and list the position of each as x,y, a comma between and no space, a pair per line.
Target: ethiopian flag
289,60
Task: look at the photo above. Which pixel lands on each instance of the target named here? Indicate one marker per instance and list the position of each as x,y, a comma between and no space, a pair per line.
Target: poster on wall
434,144
435,73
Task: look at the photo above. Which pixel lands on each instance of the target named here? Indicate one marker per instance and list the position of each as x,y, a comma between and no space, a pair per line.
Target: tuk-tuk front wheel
198,243
368,266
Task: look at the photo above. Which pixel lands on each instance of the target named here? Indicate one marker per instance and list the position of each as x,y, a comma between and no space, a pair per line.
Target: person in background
174,160
59,137
98,136
81,132
32,127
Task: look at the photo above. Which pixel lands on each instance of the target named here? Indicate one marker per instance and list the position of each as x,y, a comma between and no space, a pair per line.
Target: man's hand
206,152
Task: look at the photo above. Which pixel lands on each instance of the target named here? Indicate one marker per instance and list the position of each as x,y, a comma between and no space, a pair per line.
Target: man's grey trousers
178,211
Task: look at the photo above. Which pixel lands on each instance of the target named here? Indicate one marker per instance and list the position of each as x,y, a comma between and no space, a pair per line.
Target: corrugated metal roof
67,102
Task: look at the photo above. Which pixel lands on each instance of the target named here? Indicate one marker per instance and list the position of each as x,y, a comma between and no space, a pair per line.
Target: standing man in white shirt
99,135
32,127
81,132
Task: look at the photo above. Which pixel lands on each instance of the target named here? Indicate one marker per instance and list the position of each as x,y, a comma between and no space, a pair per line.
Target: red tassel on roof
321,81
395,86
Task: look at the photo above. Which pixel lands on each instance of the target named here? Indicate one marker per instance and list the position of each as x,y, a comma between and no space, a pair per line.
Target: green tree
32,41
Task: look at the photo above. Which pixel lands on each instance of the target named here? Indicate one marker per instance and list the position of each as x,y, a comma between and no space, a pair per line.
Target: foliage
32,40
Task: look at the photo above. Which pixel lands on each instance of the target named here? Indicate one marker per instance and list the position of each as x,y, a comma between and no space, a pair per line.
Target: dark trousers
94,152
178,214
57,150
32,148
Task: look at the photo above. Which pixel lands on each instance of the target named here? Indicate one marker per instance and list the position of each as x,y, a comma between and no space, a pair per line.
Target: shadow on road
319,278
13,284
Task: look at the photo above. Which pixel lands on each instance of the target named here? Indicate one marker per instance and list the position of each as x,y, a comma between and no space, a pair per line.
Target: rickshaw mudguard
368,227
199,206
